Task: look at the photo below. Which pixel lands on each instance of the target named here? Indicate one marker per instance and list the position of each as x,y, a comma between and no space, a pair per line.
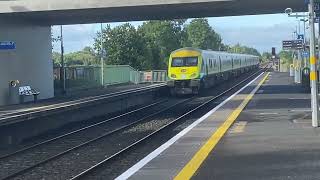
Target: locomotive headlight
173,76
194,75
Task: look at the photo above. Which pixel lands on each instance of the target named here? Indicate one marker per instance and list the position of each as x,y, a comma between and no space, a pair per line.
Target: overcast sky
261,32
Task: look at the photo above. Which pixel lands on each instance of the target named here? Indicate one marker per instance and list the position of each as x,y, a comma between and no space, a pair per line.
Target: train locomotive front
184,71
191,70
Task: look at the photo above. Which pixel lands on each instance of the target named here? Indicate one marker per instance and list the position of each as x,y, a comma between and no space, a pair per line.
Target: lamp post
101,58
304,40
63,72
313,68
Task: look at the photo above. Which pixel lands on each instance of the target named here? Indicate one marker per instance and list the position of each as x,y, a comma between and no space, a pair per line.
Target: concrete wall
30,62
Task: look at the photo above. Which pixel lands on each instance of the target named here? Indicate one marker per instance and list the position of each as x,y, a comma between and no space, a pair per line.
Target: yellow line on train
193,165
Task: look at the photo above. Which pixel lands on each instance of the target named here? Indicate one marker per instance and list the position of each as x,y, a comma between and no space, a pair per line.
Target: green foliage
123,45
266,56
243,50
161,37
201,35
225,47
84,57
56,58
286,57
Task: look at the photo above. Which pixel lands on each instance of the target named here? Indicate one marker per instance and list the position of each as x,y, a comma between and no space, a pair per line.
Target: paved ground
272,138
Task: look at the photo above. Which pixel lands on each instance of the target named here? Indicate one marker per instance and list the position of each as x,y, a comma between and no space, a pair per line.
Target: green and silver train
191,70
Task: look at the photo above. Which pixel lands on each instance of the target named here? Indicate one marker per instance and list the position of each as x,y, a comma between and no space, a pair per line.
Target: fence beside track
86,77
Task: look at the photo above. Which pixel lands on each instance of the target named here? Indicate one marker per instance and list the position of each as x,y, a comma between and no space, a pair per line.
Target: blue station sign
7,45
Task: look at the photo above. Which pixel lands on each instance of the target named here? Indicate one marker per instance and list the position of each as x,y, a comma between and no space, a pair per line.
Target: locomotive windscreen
184,62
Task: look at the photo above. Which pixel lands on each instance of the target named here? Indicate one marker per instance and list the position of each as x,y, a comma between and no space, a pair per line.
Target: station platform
261,132
68,100
19,123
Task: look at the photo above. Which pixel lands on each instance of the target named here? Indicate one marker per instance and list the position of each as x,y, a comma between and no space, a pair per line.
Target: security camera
288,11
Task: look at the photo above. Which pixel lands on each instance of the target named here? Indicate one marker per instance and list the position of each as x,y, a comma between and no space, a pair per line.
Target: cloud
261,38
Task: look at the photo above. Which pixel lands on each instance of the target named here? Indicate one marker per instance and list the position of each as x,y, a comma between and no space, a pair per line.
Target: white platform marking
268,113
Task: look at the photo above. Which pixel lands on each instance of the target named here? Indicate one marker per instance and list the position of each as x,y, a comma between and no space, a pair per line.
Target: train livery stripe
193,165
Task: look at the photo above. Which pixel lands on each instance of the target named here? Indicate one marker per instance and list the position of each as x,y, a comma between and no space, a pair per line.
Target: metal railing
90,76
157,76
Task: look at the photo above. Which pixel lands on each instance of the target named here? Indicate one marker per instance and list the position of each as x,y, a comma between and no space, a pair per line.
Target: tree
84,57
225,47
56,58
201,35
243,50
286,57
161,37
266,56
123,44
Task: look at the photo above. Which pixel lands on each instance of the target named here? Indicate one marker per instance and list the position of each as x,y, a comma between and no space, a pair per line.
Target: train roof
211,51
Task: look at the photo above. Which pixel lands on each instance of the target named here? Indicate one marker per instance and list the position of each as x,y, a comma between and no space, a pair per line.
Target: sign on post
7,45
292,44
305,54
300,36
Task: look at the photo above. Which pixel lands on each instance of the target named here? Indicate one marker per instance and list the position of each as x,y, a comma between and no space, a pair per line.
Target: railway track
79,146
51,149
73,103
90,173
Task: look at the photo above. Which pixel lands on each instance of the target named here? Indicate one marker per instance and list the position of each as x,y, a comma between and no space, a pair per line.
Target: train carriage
191,70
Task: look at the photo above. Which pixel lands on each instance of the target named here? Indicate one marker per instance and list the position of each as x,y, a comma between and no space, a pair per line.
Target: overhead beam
53,12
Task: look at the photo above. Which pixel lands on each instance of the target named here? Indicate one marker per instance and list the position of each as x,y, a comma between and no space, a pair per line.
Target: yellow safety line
193,165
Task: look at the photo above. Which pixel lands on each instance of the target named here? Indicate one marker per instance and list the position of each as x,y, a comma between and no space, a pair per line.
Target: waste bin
14,92
305,77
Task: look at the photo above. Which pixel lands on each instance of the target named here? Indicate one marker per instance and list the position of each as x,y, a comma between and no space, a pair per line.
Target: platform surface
276,140
61,101
271,139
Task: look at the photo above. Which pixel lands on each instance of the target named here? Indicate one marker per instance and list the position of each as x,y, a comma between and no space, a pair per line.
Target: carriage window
188,61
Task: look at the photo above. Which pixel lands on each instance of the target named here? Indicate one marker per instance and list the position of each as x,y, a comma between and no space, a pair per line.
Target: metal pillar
304,43
102,54
298,68
313,68
63,72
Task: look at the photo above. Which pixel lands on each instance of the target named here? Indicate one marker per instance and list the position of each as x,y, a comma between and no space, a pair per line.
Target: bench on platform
28,91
